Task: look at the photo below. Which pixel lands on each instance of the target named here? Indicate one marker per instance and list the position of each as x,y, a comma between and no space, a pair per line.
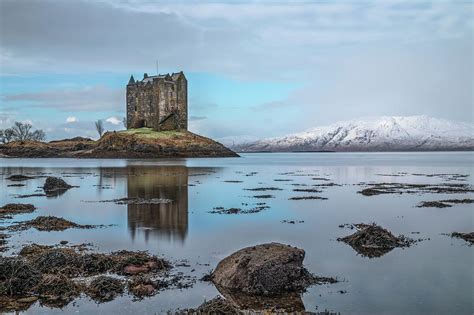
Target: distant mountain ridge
387,133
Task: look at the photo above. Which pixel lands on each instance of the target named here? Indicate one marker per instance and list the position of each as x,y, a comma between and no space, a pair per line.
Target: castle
159,102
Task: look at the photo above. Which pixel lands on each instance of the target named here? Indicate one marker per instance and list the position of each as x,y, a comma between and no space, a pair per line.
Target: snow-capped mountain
397,133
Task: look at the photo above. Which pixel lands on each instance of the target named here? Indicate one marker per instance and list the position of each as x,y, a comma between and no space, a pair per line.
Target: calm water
433,277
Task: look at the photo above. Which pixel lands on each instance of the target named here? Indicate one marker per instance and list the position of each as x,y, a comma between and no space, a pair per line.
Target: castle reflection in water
165,220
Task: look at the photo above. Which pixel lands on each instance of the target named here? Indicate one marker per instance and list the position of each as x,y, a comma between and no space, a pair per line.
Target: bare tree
38,135
21,132
99,126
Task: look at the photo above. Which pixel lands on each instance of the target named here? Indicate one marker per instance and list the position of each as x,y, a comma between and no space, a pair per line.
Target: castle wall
182,101
148,103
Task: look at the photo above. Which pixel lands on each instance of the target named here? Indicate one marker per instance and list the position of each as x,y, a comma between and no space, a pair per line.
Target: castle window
135,108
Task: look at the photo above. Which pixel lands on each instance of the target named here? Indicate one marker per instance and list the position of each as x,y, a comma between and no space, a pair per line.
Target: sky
254,68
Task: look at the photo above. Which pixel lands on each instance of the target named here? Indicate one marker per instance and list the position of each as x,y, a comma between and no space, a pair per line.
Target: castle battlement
159,102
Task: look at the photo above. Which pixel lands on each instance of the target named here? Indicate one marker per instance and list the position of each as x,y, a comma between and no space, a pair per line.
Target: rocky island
131,143
156,127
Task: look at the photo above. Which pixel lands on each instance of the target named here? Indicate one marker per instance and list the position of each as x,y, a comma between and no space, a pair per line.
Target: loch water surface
434,276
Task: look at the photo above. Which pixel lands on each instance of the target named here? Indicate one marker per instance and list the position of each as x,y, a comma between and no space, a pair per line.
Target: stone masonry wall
149,102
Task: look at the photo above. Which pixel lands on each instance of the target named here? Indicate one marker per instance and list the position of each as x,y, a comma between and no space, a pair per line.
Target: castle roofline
173,77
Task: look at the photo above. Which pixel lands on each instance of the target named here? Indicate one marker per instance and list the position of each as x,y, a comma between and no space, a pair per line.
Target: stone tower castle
159,102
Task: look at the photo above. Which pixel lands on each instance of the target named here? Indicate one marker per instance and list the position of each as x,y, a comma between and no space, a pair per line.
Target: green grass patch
150,133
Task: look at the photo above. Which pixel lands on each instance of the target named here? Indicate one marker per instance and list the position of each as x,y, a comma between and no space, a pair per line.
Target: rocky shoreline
137,143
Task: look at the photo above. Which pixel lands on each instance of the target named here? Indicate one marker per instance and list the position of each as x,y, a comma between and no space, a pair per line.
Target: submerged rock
266,269
374,241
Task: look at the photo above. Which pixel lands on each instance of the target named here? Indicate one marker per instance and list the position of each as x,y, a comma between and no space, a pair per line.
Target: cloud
93,98
350,58
114,120
244,39
71,119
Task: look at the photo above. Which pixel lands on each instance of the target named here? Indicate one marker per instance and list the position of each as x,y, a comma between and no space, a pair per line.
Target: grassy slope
151,134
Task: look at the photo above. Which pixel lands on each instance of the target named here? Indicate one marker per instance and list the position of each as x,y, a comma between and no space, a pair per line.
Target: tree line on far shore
24,132
21,132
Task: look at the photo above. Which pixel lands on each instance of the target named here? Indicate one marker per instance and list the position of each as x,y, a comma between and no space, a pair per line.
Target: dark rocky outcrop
53,185
372,240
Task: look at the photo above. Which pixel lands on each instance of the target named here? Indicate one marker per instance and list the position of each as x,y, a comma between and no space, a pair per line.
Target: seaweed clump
49,223
10,209
57,290
444,203
19,178
372,240
105,288
48,274
17,277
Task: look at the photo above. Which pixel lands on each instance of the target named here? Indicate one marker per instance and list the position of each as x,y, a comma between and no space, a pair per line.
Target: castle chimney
132,80
145,75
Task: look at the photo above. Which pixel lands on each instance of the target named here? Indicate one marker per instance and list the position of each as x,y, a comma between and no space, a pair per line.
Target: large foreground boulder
266,269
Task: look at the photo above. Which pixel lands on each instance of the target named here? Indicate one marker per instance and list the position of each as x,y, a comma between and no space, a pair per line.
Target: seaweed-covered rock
49,223
54,185
264,270
141,286
18,178
11,209
372,240
133,263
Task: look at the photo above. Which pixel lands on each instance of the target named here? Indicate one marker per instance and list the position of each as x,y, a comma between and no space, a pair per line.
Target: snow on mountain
397,133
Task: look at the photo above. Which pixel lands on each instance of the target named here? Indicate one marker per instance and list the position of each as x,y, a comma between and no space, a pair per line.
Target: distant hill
397,133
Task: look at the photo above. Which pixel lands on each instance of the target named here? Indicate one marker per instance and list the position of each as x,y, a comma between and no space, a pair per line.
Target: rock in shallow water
55,184
265,269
